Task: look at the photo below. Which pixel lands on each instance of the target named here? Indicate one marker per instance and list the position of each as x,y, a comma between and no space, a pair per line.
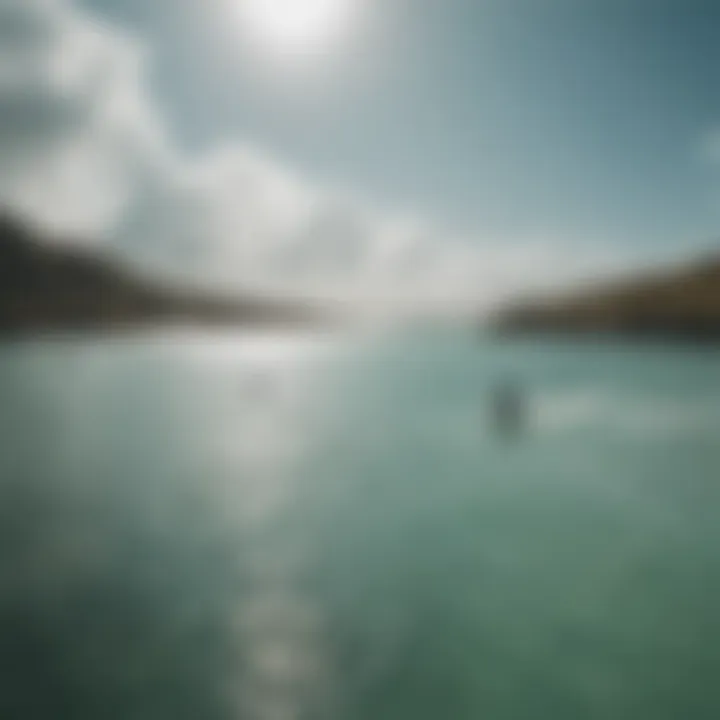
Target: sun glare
296,27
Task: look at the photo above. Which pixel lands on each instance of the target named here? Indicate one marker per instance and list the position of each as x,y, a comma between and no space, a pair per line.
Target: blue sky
475,144
492,116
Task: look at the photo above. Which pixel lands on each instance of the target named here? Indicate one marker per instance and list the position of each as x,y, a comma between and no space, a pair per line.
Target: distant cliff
682,304
45,287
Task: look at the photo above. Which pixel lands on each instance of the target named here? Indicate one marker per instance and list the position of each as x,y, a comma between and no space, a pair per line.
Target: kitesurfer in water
509,413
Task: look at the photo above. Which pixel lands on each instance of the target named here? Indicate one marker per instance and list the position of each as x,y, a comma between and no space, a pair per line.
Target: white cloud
83,149
75,125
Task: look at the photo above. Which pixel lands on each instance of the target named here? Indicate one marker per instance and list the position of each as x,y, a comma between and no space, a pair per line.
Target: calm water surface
280,528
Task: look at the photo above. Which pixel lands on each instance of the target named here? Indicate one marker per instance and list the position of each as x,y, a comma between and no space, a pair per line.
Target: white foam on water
593,409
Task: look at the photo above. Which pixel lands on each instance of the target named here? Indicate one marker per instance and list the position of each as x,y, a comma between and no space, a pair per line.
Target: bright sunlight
297,27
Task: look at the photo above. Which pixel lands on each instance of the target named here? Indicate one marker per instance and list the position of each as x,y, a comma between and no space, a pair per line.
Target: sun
296,27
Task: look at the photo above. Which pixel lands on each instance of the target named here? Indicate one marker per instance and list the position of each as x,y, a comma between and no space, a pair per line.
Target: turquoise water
278,527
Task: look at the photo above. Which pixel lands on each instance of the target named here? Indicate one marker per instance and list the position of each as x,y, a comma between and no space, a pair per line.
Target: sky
455,150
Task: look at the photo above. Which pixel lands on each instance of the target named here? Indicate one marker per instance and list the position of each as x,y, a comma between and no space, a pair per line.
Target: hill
681,304
47,286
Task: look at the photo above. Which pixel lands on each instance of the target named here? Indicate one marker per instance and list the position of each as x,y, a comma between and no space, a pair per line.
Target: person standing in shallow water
508,410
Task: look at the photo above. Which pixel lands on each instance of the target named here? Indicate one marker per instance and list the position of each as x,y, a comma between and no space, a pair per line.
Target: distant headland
47,286
681,304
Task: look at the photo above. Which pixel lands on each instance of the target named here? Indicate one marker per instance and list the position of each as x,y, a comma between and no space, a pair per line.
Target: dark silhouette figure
508,410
